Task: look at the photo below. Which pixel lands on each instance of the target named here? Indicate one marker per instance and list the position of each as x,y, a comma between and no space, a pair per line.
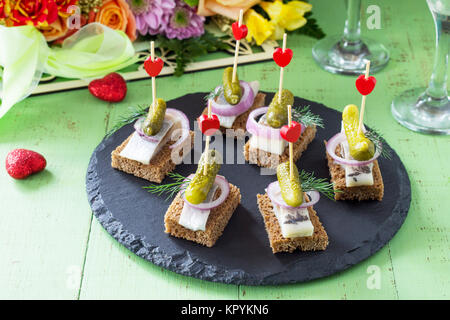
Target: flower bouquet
83,39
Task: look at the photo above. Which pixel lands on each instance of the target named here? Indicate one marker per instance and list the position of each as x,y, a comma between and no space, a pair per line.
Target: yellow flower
259,28
286,16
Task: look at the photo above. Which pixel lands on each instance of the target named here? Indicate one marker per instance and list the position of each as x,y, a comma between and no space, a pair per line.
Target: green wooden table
52,247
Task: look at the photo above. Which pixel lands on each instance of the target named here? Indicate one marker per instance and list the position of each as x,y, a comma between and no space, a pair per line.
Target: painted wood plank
371,279
45,220
113,272
421,250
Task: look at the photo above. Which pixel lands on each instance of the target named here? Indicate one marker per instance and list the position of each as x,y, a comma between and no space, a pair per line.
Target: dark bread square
156,170
337,172
269,160
217,220
318,241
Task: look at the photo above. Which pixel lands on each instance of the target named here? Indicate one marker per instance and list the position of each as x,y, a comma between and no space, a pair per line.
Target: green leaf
191,3
188,49
311,28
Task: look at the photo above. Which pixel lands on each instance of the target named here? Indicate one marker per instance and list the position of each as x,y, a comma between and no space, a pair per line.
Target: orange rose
117,15
227,8
55,30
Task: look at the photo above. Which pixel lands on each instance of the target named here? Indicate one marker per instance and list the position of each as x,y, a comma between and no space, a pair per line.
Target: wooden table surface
51,246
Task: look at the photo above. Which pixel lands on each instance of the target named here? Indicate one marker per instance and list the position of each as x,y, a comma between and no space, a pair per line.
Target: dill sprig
134,114
180,183
310,183
214,94
378,140
306,117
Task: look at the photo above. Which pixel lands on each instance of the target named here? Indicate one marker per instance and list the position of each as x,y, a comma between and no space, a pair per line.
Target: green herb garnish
180,183
134,114
311,28
214,94
306,117
375,136
310,183
188,49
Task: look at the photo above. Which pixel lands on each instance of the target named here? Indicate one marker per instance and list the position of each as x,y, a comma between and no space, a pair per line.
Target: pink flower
152,16
184,22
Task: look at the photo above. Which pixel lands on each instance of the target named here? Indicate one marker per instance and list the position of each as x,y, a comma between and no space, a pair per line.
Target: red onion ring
337,140
184,122
138,127
261,130
222,108
274,193
225,190
176,116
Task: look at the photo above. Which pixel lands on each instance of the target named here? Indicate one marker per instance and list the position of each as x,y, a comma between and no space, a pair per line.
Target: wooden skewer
282,71
291,146
363,102
208,138
236,51
152,53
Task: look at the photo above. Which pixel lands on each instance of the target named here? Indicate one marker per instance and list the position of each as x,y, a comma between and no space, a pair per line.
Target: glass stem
437,88
352,29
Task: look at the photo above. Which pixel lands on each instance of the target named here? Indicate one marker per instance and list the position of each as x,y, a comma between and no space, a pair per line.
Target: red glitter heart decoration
111,88
282,58
291,133
208,125
20,163
239,32
153,68
365,86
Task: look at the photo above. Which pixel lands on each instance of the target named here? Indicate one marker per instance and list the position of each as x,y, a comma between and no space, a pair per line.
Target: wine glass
349,53
427,110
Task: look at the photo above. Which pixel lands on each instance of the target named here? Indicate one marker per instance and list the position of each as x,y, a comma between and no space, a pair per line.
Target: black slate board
242,255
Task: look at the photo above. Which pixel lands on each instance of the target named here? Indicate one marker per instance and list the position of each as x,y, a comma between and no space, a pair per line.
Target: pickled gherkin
201,184
277,114
231,90
291,189
361,148
155,118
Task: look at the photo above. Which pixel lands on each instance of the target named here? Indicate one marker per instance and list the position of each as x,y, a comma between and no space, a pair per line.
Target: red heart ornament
153,68
365,86
282,58
291,133
111,88
239,32
208,126
20,163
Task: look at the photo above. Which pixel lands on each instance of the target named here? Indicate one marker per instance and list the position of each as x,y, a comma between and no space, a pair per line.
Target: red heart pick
153,68
365,86
208,125
282,58
111,88
239,32
291,133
